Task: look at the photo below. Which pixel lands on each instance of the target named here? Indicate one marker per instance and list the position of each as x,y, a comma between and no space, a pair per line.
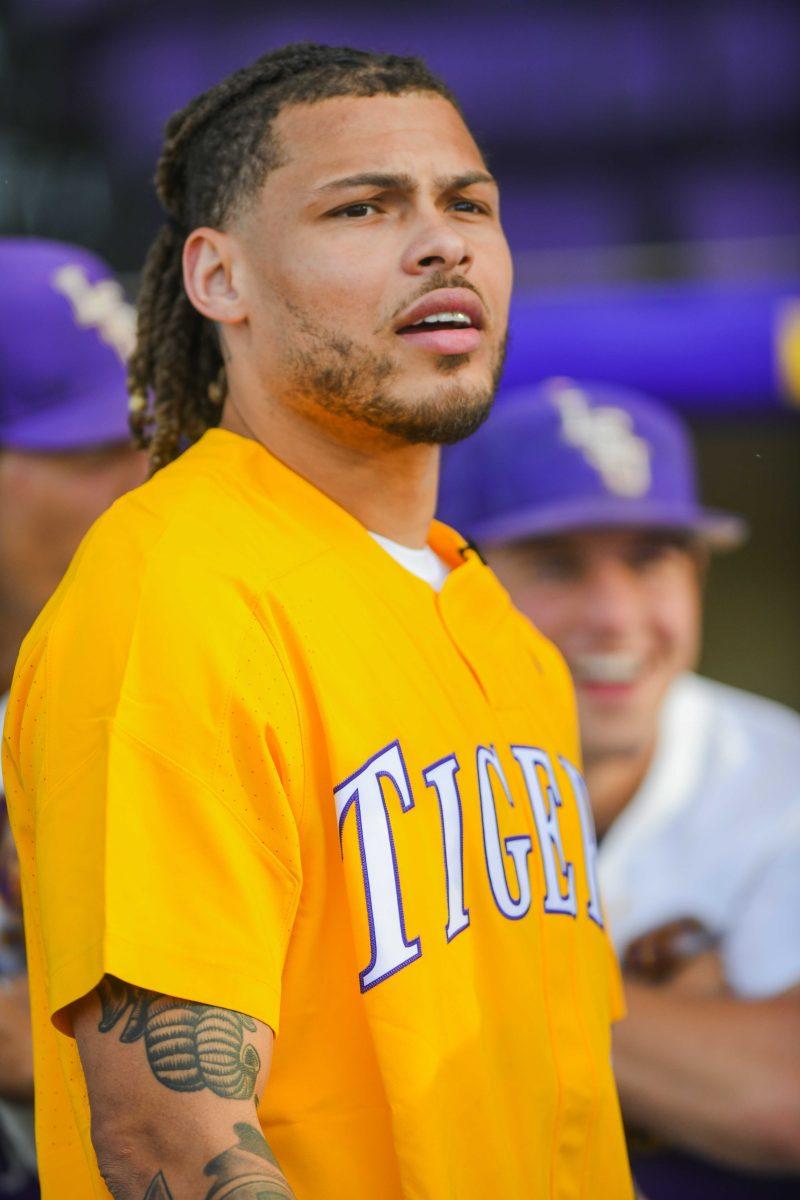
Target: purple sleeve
702,348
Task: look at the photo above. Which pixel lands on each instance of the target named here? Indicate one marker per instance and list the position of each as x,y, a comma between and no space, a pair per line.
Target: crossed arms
173,1089
710,1071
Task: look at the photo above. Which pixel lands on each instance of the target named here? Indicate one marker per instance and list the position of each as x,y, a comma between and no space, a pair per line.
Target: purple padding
520,73
757,200
64,12
139,78
701,348
599,75
753,49
580,211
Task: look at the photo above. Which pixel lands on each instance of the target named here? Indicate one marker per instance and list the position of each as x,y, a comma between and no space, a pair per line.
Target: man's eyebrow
400,182
455,183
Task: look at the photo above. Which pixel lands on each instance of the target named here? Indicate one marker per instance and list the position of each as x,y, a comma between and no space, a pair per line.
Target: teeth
451,318
606,668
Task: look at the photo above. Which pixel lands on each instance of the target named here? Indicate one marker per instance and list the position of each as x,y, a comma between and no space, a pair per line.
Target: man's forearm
246,1169
718,1075
173,1087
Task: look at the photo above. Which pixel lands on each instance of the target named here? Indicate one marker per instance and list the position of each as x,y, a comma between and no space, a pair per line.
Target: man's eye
650,555
356,210
468,206
557,568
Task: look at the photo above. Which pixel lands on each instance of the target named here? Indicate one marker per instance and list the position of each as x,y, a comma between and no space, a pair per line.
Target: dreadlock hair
217,152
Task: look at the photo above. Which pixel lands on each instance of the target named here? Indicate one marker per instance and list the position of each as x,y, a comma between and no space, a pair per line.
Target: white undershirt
425,564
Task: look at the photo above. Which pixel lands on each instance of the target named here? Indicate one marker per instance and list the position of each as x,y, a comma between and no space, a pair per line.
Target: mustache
433,284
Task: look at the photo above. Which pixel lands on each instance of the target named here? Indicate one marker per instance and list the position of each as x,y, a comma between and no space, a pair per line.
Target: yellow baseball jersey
255,763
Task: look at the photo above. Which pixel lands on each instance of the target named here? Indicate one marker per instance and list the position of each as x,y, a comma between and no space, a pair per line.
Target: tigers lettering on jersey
362,794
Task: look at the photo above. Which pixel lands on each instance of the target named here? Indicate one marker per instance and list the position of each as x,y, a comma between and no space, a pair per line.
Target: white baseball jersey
714,833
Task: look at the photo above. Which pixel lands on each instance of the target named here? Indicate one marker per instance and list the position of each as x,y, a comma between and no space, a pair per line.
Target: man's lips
443,300
609,676
459,337
444,341
606,691
615,667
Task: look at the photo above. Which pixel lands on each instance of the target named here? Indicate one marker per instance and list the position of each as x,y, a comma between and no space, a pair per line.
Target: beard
347,381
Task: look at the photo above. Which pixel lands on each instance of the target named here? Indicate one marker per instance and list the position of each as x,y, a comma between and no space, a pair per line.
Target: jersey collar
469,594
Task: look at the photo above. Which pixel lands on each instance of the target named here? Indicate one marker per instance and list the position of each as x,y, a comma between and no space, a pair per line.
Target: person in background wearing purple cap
583,499
65,455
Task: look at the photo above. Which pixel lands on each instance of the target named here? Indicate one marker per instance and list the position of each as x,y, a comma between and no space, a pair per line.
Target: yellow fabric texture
227,650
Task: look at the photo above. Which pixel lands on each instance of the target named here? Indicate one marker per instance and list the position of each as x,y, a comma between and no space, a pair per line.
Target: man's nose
613,601
437,246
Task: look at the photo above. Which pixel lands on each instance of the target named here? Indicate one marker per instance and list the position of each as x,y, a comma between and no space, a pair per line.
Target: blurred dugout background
651,182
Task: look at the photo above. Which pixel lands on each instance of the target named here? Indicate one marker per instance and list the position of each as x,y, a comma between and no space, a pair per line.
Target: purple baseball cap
566,456
65,333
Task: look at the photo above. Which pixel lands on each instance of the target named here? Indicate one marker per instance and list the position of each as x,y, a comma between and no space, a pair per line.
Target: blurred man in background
584,501
65,455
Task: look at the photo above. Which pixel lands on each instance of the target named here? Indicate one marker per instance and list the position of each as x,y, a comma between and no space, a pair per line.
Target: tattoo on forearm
158,1189
189,1046
246,1171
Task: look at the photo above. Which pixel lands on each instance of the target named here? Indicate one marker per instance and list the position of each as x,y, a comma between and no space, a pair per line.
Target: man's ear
210,276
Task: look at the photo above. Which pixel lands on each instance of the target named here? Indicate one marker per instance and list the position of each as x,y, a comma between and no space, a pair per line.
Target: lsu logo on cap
101,306
606,439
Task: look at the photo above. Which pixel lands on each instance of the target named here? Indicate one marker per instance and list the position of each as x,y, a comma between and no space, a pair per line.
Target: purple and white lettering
442,776
518,848
391,949
559,876
581,794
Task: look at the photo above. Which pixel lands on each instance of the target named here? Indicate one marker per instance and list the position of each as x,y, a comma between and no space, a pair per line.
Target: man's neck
613,781
386,484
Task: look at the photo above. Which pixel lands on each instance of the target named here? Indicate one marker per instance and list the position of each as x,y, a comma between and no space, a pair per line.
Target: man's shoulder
206,509
197,538
731,714
165,610
719,748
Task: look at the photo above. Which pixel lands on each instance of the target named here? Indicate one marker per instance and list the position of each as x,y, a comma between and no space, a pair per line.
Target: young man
583,499
65,455
309,862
